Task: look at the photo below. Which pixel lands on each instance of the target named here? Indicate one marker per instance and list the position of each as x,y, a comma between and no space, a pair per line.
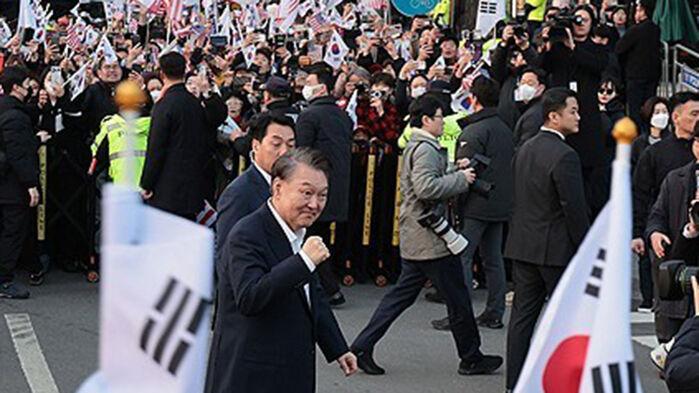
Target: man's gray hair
285,165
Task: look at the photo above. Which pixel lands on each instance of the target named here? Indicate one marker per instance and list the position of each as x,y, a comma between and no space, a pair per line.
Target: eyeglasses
606,91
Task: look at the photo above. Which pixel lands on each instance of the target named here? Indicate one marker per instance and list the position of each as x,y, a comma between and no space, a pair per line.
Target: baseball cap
277,86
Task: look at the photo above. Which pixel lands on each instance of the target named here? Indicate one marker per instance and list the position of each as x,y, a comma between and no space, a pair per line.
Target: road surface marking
647,341
641,317
30,356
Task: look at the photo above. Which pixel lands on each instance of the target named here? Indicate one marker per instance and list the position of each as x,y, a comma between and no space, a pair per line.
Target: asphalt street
418,359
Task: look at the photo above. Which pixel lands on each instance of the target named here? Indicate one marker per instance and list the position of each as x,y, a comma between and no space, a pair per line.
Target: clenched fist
316,250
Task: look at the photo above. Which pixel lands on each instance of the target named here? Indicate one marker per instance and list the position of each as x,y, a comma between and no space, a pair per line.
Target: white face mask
418,91
660,120
308,92
525,93
155,94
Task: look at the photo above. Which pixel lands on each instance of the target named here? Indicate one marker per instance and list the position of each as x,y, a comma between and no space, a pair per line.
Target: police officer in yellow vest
535,10
111,142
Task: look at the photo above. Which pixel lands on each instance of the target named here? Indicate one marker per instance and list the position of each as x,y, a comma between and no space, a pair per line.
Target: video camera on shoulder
481,187
675,280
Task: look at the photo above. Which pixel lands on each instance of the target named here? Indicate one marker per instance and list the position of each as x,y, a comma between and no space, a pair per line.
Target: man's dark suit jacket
669,215
550,217
243,196
265,334
179,146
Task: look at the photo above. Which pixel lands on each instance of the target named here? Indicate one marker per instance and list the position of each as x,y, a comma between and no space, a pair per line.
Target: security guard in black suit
549,221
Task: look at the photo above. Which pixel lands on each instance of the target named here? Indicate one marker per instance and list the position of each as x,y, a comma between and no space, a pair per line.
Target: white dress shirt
296,241
267,176
554,131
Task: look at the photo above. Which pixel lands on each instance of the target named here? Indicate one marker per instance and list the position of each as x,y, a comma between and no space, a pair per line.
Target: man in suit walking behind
549,221
179,144
271,308
272,136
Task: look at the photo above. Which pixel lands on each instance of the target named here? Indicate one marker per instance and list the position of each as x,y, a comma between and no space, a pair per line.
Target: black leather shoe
13,290
367,364
441,324
337,299
487,365
489,321
434,297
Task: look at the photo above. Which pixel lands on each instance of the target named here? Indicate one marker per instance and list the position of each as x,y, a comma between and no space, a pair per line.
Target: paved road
64,314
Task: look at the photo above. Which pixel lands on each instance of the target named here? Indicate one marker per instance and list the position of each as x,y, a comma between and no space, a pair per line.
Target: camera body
481,187
441,227
674,280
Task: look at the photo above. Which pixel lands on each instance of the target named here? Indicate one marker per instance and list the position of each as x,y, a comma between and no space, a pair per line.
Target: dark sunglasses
606,91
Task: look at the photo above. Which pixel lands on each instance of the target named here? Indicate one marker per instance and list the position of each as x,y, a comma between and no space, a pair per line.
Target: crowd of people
505,141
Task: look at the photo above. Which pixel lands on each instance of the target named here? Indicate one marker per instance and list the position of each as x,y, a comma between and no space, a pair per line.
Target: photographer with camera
670,227
429,247
549,220
509,59
487,143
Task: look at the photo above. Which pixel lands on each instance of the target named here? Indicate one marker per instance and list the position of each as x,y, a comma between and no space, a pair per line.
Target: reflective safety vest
537,14
113,128
452,131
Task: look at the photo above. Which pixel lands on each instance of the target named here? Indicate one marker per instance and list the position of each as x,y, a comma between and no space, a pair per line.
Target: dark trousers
486,236
597,182
447,275
533,285
637,92
338,252
645,277
14,227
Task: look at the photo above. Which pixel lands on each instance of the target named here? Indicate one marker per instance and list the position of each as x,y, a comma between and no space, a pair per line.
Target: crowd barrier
68,219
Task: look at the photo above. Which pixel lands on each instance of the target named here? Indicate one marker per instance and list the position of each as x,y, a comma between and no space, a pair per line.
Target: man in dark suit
578,63
549,221
19,176
179,144
272,136
666,229
326,127
271,308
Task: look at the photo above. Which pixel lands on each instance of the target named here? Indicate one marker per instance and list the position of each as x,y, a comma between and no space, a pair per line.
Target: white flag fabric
249,55
224,27
610,358
157,278
5,33
286,15
335,51
78,81
27,18
489,13
352,109
592,296
105,49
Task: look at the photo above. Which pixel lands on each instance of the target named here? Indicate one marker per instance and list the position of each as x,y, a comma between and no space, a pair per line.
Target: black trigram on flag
488,7
172,322
613,374
594,282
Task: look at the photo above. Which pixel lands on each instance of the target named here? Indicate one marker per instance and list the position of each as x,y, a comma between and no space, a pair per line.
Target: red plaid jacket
385,127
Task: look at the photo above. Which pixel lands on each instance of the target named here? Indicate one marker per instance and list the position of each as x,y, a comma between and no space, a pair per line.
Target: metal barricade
685,76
